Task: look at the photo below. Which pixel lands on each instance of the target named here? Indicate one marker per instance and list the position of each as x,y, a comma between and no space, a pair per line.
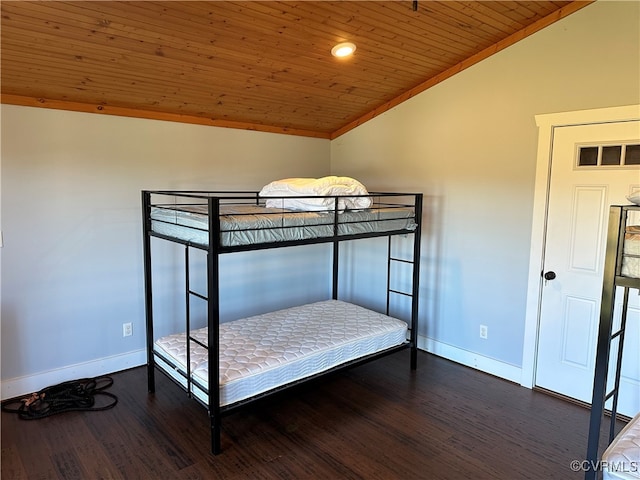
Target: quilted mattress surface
621,460
266,351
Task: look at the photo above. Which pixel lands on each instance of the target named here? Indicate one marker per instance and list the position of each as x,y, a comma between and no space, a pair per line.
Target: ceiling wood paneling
259,65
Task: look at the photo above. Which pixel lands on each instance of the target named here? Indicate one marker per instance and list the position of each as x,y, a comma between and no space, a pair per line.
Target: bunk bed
247,359
621,459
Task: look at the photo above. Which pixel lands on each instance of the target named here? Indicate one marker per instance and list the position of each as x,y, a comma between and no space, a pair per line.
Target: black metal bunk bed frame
214,248
618,217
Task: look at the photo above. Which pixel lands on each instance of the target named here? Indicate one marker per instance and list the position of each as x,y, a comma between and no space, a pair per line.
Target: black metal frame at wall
612,279
214,249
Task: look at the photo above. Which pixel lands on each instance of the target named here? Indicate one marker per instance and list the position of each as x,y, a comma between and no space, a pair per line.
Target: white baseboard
471,359
15,387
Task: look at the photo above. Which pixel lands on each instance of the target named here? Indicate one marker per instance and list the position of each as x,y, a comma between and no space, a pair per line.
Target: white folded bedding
317,193
263,352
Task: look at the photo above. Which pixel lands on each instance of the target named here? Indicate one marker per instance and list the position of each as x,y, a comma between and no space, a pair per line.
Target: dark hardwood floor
375,421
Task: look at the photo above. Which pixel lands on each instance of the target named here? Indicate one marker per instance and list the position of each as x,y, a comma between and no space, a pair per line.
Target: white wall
71,218
470,144
71,266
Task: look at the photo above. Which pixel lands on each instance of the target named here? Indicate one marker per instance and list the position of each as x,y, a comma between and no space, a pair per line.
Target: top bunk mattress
254,224
263,352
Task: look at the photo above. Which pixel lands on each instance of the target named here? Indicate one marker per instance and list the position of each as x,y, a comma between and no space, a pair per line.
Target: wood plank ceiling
262,65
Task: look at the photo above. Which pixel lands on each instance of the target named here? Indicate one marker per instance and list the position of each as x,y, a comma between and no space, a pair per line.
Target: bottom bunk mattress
263,352
621,459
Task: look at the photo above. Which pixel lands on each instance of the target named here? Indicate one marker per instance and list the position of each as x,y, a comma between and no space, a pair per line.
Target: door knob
550,275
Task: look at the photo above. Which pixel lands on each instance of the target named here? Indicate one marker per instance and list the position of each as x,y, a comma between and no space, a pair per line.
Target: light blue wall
71,221
470,145
71,269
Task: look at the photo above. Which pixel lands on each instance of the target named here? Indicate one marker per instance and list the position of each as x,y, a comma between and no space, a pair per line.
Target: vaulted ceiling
262,65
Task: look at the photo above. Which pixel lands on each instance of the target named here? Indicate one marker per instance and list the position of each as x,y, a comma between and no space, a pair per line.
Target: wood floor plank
27,439
96,463
68,465
12,464
376,421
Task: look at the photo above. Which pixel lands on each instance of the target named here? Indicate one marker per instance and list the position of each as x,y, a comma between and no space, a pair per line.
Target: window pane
632,155
588,156
611,155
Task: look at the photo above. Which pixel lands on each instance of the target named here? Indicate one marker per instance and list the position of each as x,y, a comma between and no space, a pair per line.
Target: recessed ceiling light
343,49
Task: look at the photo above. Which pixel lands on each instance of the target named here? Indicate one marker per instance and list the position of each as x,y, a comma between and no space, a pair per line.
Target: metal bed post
417,240
213,320
187,314
334,281
148,296
336,251
389,260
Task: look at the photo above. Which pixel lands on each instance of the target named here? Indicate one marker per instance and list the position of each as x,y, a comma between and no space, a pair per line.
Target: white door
588,173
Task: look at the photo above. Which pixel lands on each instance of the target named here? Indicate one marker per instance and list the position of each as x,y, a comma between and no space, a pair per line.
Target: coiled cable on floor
74,395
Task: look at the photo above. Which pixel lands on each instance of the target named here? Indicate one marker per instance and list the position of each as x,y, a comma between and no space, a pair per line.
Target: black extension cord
74,395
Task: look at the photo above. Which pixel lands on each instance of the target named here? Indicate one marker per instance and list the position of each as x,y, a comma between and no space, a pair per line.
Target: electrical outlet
127,329
484,331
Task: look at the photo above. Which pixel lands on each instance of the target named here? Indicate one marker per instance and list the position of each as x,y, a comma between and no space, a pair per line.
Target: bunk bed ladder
189,293
606,335
415,279
615,391
600,385
391,260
